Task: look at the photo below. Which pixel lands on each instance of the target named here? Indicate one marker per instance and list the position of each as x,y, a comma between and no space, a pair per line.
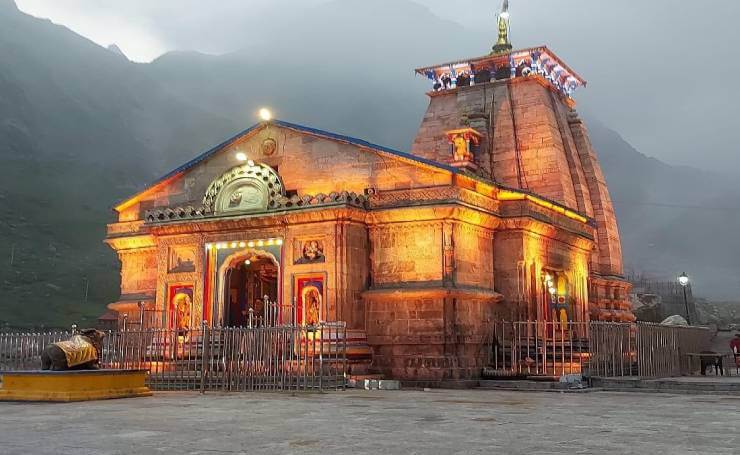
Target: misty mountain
673,219
81,127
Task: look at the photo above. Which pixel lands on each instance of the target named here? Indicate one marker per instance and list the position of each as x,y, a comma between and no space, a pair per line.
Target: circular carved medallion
269,146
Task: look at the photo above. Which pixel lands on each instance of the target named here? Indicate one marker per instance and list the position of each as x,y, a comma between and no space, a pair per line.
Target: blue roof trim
317,132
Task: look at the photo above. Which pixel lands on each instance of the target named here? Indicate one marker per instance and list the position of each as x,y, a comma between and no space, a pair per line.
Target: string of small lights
244,244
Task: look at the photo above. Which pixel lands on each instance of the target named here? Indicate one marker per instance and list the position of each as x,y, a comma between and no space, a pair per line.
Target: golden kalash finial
503,44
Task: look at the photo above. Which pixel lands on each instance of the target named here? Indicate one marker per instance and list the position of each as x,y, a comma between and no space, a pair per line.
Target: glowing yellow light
233,244
265,114
247,262
260,243
208,246
242,244
250,244
279,241
270,241
508,195
241,156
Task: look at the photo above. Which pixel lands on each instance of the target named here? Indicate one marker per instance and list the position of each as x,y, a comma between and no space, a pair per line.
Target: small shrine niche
463,145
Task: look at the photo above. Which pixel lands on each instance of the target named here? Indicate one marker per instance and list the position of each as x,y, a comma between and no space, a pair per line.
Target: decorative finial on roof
503,44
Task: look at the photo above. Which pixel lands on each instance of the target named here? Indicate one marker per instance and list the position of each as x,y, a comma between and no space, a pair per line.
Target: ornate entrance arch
237,261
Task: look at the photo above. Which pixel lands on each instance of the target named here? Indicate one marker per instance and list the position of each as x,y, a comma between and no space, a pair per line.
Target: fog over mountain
82,126
660,72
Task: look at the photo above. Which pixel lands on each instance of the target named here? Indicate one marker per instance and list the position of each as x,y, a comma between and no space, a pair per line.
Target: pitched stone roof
340,138
301,129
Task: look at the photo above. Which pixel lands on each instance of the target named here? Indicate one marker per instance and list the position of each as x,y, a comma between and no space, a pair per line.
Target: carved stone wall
353,272
429,334
138,271
473,250
295,237
166,276
522,258
406,253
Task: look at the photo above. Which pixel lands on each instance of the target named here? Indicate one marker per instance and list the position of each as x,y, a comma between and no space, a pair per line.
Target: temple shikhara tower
500,211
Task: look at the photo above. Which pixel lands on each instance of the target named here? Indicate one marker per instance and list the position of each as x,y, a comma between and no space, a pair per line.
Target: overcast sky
661,72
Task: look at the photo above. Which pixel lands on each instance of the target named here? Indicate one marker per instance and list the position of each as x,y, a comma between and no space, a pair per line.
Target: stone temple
500,211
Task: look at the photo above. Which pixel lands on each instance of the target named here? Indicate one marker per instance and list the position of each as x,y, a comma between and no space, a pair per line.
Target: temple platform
77,385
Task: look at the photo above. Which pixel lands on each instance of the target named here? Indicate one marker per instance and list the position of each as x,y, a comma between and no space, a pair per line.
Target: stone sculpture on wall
243,189
309,298
181,259
311,251
180,308
268,146
462,142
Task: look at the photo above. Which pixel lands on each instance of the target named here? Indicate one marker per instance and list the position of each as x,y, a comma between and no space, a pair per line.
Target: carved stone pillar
448,252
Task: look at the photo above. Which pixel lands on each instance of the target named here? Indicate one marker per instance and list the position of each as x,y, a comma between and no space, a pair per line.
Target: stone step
723,385
529,385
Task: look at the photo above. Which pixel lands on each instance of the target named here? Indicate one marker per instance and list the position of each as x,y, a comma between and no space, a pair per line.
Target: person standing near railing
735,348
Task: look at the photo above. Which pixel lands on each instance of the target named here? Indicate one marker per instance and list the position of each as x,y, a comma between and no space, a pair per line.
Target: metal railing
20,350
645,349
210,359
607,349
538,348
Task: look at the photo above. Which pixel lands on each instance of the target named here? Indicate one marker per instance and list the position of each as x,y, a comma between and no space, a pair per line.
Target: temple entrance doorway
247,282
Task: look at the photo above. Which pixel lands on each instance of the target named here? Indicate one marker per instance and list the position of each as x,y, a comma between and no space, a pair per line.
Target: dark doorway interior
247,284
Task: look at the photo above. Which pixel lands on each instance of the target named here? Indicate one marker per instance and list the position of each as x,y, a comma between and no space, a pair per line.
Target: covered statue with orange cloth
80,352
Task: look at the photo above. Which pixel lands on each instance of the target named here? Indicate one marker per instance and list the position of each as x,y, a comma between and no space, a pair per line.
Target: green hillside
81,127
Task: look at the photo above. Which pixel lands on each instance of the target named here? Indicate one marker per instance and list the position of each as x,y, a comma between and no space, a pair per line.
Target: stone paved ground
359,422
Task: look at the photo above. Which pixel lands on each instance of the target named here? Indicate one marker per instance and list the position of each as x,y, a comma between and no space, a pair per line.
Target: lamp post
683,280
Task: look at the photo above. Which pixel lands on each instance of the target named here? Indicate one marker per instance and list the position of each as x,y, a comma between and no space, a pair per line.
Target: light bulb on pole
683,280
265,114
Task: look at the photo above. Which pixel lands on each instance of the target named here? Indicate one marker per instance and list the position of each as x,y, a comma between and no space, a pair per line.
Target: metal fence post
141,315
321,357
206,354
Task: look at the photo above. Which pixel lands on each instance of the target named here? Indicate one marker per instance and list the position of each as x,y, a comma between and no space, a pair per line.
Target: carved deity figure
312,300
182,304
312,251
461,150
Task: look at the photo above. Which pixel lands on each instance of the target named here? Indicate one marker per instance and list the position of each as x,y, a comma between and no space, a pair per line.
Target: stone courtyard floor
378,422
